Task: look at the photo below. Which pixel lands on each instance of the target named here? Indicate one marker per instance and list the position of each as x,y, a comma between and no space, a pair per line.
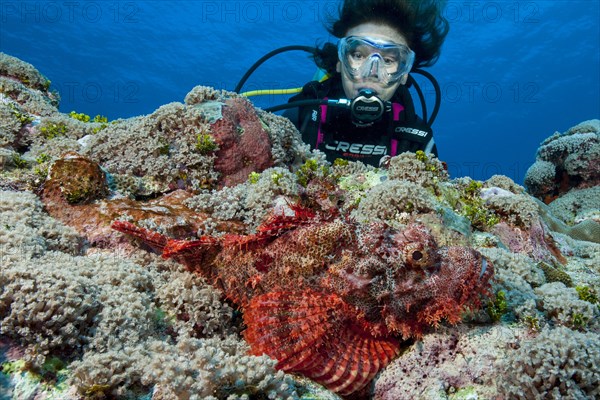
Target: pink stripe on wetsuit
396,110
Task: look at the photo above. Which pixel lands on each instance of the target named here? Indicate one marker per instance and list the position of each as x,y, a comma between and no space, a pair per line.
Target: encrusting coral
566,177
539,368
289,262
77,179
23,84
569,161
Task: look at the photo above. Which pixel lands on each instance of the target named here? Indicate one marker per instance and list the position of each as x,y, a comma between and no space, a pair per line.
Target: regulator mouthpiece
366,108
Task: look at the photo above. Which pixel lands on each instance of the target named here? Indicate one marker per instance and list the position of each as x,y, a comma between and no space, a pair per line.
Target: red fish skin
153,239
316,289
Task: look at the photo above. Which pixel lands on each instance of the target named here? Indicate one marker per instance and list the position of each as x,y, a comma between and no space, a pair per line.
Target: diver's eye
356,55
417,255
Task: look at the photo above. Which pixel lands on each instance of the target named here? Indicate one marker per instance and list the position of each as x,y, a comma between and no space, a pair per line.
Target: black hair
421,22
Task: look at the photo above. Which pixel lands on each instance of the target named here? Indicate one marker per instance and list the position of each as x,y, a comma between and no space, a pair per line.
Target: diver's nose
373,71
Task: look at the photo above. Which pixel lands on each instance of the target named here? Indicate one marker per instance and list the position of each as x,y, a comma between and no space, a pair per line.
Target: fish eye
417,255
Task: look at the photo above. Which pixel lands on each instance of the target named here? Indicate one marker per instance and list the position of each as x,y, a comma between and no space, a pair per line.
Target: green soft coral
532,323
497,308
205,143
12,367
79,116
472,206
310,170
100,120
588,294
19,161
53,130
578,321
23,117
429,165
254,177
276,177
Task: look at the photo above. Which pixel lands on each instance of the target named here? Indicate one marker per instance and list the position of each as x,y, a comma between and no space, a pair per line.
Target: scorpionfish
329,298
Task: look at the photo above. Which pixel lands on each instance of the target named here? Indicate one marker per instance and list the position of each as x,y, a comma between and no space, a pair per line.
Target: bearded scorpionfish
332,299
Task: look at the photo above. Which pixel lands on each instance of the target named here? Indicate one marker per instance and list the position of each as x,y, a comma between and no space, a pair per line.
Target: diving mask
364,58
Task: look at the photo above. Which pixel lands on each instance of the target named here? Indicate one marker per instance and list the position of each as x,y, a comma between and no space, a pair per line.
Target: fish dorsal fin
313,334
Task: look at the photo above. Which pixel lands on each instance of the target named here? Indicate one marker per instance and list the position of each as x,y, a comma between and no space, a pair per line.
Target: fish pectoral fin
312,333
286,324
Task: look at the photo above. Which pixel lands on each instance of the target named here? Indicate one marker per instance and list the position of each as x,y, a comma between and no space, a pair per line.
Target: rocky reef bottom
89,313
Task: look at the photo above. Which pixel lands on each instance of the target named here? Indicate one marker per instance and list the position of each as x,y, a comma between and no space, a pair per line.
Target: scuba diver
362,110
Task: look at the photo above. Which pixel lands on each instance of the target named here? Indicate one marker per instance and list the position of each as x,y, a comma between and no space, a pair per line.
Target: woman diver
381,41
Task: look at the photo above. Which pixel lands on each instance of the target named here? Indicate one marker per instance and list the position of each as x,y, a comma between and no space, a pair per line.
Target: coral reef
76,178
395,200
12,67
23,86
556,364
200,146
566,161
240,376
566,177
216,139
578,205
422,169
445,364
290,261
563,306
249,202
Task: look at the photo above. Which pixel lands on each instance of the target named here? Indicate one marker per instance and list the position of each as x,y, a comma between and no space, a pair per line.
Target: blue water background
512,72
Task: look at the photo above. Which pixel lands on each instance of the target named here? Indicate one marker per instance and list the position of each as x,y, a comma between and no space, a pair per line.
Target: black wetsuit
331,130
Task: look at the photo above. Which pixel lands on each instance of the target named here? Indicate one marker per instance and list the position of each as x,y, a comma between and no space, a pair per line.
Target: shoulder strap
322,120
408,131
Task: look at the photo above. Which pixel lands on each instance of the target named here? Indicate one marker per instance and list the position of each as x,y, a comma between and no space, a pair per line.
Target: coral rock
566,161
244,145
76,179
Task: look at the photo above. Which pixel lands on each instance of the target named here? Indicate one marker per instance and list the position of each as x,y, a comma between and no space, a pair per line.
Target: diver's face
352,86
